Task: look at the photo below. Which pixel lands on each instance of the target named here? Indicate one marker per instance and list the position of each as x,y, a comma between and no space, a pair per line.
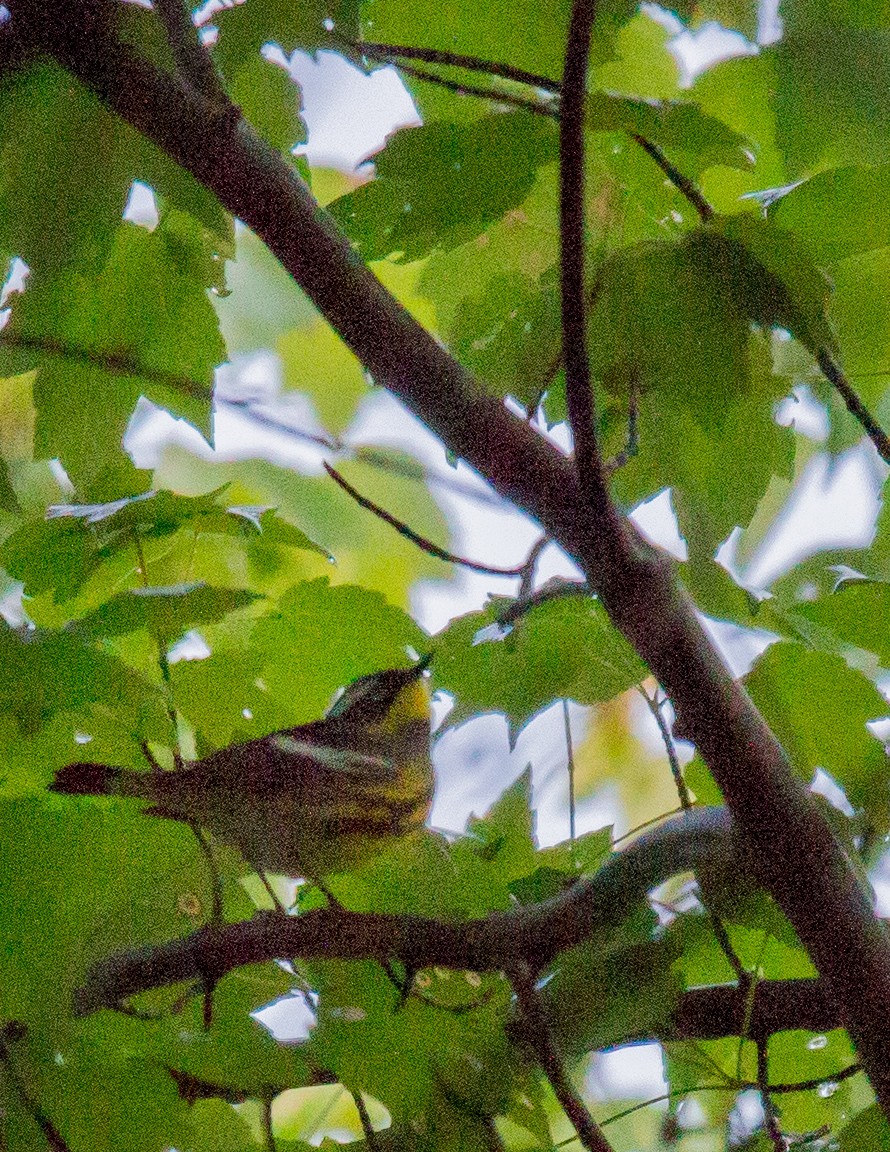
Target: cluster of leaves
196,605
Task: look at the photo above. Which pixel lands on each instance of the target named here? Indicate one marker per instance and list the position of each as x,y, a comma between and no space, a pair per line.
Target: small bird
307,801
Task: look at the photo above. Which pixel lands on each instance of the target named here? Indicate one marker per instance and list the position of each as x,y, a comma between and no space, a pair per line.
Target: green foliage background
296,591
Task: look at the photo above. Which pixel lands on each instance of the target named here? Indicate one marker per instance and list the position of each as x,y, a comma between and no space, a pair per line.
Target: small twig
537,1035
163,661
537,107
268,1134
422,543
51,1134
248,409
655,707
367,1127
528,568
216,915
555,589
728,1086
770,1116
855,405
681,183
570,764
455,60
119,364
631,447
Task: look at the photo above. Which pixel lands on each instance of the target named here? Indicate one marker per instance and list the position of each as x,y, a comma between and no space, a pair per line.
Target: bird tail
92,780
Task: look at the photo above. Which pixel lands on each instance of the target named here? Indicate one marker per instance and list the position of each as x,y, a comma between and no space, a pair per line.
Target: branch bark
795,854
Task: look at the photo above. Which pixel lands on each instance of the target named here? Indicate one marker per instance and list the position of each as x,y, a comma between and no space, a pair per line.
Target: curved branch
794,852
408,532
533,934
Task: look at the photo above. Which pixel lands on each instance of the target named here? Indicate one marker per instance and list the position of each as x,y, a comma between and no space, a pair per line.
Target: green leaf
505,837
672,125
165,612
858,613
839,213
316,361
566,648
246,29
54,209
48,672
739,93
818,708
442,184
108,339
610,987
740,14
270,101
321,637
846,70
867,1130
772,276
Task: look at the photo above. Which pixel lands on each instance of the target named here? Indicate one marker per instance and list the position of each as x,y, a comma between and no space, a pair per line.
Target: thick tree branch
795,854
574,302
533,934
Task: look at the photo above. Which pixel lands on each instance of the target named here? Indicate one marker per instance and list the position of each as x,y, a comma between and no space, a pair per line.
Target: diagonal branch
795,853
535,1031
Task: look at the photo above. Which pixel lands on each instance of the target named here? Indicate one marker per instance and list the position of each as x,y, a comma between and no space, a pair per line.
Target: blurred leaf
818,708
858,613
672,125
47,672
165,612
109,339
841,69
839,213
564,648
441,184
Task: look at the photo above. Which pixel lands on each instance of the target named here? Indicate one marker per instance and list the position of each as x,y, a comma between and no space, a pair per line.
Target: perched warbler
306,801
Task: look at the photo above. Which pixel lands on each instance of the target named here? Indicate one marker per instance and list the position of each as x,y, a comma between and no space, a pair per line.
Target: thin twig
655,707
249,410
570,764
631,447
422,543
367,1127
528,568
455,60
728,1086
268,1133
681,183
537,107
51,1134
770,1116
120,364
536,1033
855,404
